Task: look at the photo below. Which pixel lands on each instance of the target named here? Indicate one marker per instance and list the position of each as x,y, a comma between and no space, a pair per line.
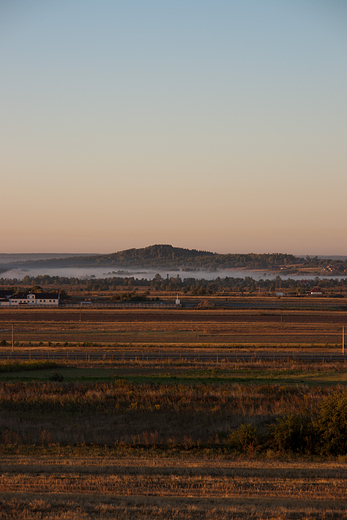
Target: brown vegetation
142,414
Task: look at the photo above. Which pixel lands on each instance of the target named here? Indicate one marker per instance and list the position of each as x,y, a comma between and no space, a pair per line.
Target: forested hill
167,256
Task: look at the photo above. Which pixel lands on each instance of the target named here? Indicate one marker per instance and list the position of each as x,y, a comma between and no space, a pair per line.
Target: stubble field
171,488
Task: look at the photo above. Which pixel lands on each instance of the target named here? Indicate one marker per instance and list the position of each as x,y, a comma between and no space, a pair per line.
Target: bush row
322,434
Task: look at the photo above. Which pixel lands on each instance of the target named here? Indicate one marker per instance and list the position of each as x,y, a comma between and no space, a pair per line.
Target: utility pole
343,340
12,340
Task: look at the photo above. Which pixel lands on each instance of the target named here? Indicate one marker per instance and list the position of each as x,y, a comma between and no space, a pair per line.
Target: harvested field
83,488
179,327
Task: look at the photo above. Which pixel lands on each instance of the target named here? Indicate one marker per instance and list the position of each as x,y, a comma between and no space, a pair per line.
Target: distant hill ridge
167,256
159,251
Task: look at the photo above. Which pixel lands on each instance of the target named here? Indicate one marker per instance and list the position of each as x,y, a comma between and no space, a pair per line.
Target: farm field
152,439
169,488
231,328
186,438
184,371
152,403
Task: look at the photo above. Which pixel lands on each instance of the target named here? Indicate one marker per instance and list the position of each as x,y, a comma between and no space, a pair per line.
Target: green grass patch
261,377
43,370
68,373
24,366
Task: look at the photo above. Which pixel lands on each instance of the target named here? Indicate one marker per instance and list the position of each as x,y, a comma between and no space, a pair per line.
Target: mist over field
89,273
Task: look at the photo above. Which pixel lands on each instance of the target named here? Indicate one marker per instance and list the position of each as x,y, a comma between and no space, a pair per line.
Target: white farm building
44,299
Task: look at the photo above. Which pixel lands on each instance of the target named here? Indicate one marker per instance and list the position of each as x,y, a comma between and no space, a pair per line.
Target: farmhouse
316,291
45,299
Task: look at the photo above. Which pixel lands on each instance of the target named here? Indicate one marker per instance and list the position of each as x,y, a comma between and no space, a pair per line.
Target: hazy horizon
217,126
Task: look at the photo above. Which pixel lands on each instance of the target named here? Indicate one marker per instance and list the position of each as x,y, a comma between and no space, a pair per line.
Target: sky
216,125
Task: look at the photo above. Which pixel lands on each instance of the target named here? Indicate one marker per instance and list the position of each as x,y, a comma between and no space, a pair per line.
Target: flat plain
179,327
149,438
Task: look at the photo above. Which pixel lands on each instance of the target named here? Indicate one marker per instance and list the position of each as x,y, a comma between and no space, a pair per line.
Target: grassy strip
20,366
44,454
165,375
259,377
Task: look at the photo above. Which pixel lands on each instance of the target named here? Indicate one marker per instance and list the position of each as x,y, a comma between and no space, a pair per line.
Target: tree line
189,285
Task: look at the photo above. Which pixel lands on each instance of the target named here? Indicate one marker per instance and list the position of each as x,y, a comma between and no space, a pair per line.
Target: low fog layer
102,272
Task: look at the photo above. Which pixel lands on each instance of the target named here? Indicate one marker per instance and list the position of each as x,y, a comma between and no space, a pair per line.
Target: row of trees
190,285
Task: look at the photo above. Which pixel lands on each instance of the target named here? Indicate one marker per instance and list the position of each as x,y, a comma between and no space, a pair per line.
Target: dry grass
143,414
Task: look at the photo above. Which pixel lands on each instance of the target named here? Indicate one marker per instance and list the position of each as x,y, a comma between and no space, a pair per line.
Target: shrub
244,439
295,433
332,425
55,376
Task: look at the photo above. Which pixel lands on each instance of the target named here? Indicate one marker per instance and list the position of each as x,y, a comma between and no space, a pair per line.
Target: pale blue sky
217,125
